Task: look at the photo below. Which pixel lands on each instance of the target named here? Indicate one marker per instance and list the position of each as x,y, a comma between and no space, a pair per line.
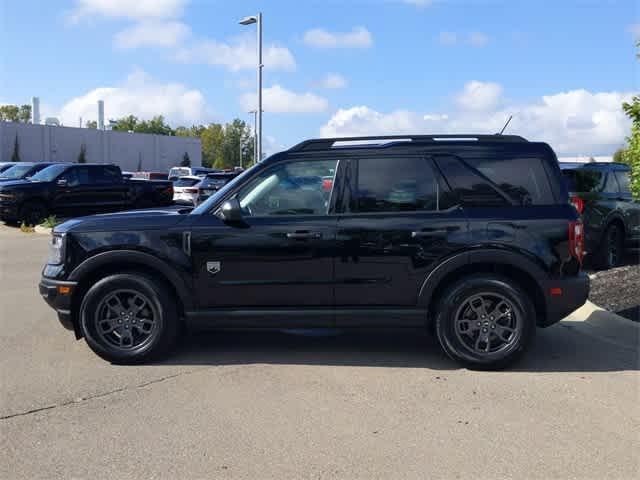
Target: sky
334,68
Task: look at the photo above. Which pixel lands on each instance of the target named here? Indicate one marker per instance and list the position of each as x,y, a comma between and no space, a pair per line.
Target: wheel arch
108,263
515,266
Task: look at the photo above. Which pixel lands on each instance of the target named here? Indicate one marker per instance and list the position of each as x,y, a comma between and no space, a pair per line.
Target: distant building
45,143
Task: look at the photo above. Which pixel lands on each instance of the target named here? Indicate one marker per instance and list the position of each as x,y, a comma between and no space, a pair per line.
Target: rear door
400,220
109,191
629,206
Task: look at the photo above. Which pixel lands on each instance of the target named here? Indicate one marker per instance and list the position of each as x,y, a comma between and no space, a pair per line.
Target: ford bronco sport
471,237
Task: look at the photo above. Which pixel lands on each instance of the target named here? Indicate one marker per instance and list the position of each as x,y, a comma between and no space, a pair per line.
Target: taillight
578,203
576,240
190,190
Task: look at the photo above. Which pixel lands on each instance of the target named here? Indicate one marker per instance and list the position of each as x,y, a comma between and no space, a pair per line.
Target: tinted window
386,184
185,182
583,180
623,181
106,175
76,176
611,185
291,189
523,180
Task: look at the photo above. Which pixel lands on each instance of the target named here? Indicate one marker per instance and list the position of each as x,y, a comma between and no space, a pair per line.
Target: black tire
33,212
151,330
460,307
610,251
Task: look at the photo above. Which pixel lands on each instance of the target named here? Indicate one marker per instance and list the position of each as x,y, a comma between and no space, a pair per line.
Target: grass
24,228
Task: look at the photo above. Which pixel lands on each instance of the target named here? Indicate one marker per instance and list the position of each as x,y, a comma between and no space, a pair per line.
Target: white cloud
577,122
448,38
480,96
634,30
239,55
136,9
152,33
478,39
333,81
358,37
280,100
142,96
473,39
418,3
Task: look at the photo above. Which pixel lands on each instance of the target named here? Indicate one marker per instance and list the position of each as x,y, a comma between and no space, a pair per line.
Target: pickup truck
71,190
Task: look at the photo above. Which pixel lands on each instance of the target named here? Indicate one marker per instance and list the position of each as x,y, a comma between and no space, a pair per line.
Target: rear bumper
51,292
575,291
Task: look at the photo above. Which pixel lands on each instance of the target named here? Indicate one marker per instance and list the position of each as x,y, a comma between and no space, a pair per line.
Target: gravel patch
618,290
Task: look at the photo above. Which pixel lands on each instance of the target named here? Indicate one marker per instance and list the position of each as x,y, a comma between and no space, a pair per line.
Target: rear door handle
303,235
429,233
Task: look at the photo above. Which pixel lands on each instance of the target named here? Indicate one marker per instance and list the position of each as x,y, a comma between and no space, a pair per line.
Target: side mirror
230,211
62,182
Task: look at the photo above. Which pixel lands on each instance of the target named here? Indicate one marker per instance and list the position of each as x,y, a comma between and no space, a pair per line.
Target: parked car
6,165
471,237
611,216
213,182
23,170
177,172
185,190
69,189
150,175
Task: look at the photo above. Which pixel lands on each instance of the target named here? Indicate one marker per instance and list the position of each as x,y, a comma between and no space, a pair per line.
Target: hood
129,220
14,183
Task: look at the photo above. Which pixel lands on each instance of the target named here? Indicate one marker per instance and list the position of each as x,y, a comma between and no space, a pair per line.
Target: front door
401,222
281,254
74,194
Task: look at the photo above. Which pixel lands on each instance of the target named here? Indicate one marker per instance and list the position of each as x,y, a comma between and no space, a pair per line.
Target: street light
257,19
255,135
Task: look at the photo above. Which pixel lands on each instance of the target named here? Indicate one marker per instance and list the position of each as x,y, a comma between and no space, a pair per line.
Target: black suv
472,237
602,195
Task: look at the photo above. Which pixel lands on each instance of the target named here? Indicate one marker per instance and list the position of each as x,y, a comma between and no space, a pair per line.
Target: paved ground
273,406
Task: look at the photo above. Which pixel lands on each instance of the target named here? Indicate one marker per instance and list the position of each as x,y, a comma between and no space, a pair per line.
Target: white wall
42,143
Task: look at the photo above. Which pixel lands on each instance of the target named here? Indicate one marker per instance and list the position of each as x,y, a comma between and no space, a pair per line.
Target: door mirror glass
230,211
62,182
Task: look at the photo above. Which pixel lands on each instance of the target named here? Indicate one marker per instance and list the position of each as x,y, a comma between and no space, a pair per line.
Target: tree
186,161
82,156
15,157
15,113
92,124
618,156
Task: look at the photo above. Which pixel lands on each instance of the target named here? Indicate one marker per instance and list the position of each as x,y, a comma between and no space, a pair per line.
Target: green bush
50,222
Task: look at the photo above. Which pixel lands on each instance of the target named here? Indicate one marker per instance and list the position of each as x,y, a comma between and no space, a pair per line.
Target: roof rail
390,140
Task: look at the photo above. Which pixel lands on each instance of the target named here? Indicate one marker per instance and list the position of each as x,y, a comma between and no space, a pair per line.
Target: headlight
56,250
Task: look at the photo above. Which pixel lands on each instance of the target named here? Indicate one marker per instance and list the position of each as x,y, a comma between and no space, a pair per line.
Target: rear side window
523,180
105,175
387,184
623,181
583,180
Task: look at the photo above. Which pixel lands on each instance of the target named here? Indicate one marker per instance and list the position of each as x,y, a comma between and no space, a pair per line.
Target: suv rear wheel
129,318
485,322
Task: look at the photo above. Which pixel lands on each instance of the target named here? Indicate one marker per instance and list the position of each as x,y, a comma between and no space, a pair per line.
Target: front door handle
303,235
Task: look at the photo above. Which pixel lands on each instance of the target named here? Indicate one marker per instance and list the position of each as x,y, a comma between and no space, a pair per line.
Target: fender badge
213,267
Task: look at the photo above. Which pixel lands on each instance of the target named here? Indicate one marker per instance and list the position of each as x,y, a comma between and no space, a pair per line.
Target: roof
609,166
319,144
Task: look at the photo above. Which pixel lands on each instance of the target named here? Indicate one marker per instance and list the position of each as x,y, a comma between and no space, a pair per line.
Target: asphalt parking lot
270,405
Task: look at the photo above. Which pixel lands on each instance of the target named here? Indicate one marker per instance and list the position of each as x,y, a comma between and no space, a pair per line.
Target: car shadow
560,348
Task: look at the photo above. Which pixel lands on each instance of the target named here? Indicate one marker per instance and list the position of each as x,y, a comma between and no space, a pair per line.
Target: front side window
297,188
76,176
392,184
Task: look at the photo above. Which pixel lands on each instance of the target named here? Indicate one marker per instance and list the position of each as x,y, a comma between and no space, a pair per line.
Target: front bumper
8,211
575,291
58,295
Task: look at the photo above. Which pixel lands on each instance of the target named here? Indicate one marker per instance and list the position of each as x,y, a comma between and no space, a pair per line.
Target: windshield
49,174
205,206
17,171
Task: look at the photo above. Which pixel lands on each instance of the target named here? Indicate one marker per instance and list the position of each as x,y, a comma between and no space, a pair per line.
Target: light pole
257,19
255,135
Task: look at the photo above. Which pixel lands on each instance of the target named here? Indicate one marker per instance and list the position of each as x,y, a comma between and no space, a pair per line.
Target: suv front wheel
129,318
485,322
